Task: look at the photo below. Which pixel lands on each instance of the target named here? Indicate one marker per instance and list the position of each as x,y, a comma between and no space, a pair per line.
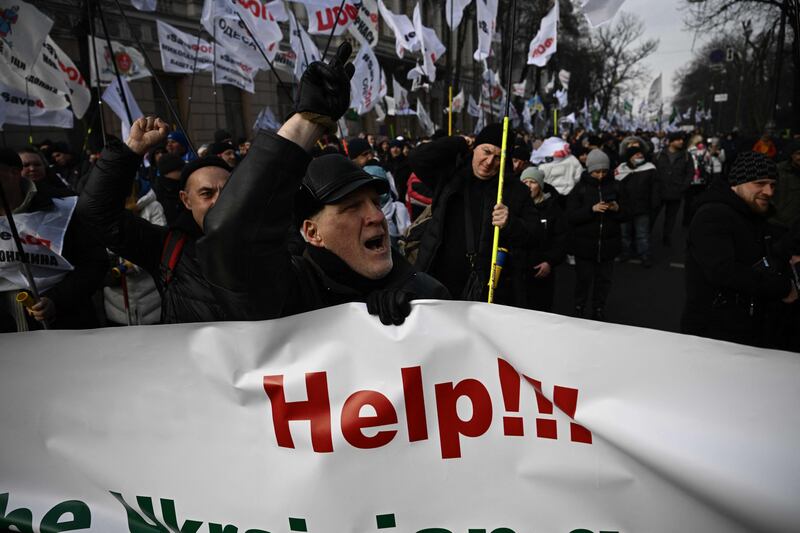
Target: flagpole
114,63
150,66
333,30
555,121
23,257
191,83
97,74
214,80
28,108
452,76
264,55
450,113
504,145
302,41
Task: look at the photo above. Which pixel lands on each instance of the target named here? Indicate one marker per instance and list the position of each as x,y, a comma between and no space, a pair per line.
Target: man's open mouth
376,244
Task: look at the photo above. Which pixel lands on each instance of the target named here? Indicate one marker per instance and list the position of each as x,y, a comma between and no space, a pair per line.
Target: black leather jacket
245,253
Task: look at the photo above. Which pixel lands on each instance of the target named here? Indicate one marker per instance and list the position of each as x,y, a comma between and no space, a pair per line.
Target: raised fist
325,88
146,132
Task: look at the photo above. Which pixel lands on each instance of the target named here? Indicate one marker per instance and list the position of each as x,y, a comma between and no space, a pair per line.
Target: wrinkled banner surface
468,418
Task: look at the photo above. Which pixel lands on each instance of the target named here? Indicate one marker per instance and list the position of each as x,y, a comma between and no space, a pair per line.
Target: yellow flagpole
450,114
496,240
555,121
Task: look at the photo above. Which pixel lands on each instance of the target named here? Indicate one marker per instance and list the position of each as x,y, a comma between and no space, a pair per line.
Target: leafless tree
619,60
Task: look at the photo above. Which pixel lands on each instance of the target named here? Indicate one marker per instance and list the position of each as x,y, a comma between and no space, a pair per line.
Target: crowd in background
589,200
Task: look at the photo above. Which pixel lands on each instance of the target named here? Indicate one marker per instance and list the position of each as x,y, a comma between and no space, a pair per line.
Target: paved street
650,298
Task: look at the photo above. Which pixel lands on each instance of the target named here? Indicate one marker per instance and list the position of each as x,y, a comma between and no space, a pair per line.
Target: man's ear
310,230
185,199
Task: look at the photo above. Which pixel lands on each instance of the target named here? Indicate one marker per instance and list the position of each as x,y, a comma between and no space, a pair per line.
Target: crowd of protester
154,240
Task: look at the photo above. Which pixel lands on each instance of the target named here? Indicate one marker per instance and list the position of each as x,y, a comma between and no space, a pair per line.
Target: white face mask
637,161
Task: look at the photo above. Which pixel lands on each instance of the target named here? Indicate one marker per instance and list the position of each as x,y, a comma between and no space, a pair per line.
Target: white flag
434,49
278,11
365,85
285,61
486,20
472,108
15,106
232,71
23,29
518,89
303,45
458,102
380,114
221,19
324,14
384,86
51,77
561,97
598,12
130,62
144,5
366,24
544,44
400,95
390,107
427,65
456,7
654,94
405,36
563,77
113,97
424,119
181,52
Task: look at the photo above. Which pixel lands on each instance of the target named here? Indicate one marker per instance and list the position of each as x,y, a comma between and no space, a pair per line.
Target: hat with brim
329,178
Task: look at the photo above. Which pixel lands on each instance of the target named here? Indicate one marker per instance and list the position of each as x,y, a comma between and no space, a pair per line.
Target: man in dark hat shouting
737,273
456,245
167,253
331,201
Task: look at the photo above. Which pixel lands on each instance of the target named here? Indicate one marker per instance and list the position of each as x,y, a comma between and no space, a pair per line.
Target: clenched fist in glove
325,89
391,305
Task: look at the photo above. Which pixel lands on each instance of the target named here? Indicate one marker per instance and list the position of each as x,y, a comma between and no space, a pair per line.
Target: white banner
130,62
23,29
221,19
229,71
181,52
400,96
424,119
458,102
306,51
42,235
431,47
42,80
456,10
469,417
486,21
116,97
366,24
324,14
545,43
365,85
19,109
285,60
405,35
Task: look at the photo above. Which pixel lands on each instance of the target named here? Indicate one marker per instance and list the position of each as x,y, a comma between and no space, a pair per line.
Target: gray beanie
533,173
597,160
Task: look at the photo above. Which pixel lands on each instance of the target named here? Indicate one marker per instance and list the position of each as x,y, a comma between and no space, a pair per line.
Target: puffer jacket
185,294
595,236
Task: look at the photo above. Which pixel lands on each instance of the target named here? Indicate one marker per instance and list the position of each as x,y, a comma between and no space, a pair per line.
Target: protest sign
469,417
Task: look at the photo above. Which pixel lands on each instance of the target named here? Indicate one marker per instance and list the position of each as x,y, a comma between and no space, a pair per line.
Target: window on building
170,85
234,121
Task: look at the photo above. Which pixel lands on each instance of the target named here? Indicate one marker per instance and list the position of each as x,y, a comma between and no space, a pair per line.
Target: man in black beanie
738,280
166,253
456,246
336,207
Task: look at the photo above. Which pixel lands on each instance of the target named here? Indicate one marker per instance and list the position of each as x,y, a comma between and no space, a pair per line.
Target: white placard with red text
467,418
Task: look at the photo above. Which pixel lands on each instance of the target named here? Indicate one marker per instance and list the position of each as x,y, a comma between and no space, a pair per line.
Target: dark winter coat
592,235
673,178
445,165
730,290
787,195
187,296
72,296
245,254
637,188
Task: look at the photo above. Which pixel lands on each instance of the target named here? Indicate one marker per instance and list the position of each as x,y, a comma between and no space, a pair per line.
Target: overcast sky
664,21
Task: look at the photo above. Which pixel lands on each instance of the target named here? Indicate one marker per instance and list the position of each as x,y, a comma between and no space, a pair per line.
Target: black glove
391,305
324,94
